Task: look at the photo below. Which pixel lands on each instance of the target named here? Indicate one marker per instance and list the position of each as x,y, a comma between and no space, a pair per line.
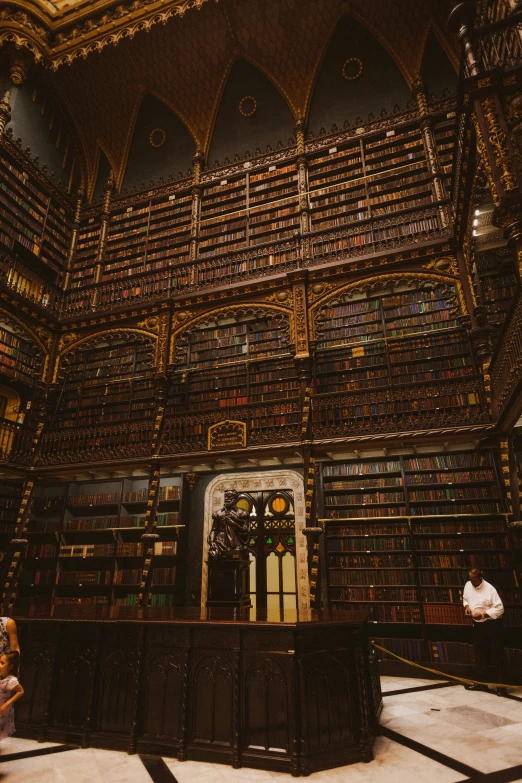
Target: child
10,691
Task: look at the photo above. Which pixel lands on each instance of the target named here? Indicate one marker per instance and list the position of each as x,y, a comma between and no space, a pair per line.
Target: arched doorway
279,575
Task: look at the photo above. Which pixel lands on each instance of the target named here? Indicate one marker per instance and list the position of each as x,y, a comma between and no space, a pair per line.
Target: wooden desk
292,694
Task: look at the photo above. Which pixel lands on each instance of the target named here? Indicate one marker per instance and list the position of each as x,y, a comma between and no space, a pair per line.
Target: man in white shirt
483,604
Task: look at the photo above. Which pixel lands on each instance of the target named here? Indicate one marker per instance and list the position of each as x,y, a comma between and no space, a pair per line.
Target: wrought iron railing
23,281
506,366
361,238
16,442
99,442
499,44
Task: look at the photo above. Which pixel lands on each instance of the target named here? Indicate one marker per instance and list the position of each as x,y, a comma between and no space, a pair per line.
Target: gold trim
348,62
238,426
93,336
163,138
242,109
190,322
389,276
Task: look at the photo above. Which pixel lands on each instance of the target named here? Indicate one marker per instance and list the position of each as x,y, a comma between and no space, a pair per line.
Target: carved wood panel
266,706
116,690
212,702
327,709
163,693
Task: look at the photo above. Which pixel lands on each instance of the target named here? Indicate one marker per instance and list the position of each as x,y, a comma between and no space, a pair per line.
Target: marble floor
440,735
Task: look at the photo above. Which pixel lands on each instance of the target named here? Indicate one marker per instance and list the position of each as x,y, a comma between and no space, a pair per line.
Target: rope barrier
443,675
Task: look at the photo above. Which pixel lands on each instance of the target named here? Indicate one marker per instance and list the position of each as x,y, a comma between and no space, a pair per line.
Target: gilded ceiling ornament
247,106
447,264
157,138
283,297
352,69
151,323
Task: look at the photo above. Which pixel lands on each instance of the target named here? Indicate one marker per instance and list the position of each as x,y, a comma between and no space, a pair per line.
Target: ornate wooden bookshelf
236,368
107,383
498,292
392,359
86,252
34,224
20,359
401,535
85,545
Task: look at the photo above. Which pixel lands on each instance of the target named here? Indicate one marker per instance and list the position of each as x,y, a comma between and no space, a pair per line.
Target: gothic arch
144,93
95,173
210,137
380,281
31,335
445,73
372,31
185,321
245,482
70,343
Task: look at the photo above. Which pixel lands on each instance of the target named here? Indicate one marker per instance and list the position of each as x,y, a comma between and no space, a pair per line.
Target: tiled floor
479,730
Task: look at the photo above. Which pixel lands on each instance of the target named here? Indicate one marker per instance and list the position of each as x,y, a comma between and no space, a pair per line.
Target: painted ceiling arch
185,61
251,114
357,75
158,144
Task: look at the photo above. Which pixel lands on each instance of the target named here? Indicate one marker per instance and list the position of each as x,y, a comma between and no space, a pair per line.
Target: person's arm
465,600
13,635
18,692
496,609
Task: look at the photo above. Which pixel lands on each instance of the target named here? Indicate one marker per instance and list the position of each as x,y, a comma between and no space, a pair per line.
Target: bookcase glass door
272,549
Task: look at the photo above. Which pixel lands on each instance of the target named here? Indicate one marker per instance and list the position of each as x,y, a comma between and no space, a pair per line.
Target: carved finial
191,479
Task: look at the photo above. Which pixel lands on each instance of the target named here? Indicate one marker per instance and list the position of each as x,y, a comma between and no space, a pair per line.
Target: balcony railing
400,410
99,442
506,366
264,425
500,44
23,281
15,442
362,238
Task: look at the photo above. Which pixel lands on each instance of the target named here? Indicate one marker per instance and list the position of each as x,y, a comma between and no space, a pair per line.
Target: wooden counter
290,694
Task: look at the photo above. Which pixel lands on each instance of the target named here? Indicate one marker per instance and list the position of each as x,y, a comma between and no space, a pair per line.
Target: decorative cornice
91,28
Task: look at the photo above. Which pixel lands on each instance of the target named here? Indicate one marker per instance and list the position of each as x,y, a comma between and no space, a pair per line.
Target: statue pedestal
229,581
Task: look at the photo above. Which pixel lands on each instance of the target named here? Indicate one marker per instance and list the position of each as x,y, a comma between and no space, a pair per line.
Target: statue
230,528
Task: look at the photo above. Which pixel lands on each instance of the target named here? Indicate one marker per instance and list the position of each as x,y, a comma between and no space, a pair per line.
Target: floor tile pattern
479,730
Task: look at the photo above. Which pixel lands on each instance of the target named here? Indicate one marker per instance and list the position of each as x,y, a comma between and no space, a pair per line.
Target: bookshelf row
20,359
498,291
33,223
108,383
395,550
85,545
397,351
380,174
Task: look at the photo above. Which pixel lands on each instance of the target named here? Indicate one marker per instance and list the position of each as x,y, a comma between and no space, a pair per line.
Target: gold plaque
226,434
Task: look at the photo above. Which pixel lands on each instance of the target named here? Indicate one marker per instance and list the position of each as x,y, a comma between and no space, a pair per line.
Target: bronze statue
230,528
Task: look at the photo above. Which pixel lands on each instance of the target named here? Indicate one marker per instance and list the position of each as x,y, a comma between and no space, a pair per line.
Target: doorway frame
255,482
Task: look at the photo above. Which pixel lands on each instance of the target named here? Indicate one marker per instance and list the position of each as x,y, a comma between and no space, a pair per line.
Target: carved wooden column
297,278
5,113
302,185
74,239
198,162
430,148
495,141
102,243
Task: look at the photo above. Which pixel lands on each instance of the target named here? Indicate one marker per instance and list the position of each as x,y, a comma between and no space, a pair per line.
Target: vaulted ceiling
103,61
